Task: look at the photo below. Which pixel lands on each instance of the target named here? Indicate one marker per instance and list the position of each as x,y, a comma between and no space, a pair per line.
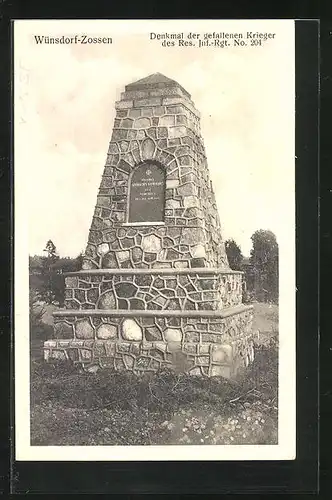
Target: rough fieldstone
89,264
141,134
172,254
142,363
222,353
69,293
173,100
198,251
92,295
203,360
172,183
124,104
133,94
134,113
129,360
127,123
152,131
204,349
147,112
171,203
103,248
131,330
123,255
187,189
162,132
86,354
166,121
159,110
143,280
79,295
109,261
173,335
181,120
172,143
124,166
136,304
150,257
151,243
221,371
73,354
142,122
124,145
251,353
118,134
113,148
128,242
198,262
192,235
152,101
91,251
63,330
125,290
148,149
58,354
195,371
175,109
71,282
185,160
122,113
190,201
137,254
105,331
137,155
84,330
107,301
152,333
179,131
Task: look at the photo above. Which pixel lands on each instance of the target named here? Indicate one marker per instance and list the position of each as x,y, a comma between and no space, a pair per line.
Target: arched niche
146,199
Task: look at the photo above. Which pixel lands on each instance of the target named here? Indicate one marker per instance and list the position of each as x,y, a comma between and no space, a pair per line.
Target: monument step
156,270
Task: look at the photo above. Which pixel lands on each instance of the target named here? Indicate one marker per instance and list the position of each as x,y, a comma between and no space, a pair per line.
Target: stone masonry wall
157,291
208,346
165,130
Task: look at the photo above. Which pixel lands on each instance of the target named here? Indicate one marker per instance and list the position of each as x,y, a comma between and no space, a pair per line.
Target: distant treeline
47,282
261,269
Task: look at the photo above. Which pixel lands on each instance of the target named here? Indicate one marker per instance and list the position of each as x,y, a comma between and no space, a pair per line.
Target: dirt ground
108,408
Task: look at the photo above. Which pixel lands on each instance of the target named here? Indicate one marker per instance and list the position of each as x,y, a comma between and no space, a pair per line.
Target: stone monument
155,289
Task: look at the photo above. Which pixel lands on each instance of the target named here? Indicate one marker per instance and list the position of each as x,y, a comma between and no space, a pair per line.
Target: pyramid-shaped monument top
156,80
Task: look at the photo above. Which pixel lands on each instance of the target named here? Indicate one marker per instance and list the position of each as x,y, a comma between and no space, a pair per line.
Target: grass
111,408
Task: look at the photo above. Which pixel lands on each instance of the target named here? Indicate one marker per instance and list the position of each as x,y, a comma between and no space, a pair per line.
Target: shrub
38,329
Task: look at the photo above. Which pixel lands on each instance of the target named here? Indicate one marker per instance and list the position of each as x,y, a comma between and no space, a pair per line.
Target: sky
64,99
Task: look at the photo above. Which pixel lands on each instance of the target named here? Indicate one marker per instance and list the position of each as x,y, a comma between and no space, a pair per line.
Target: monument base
201,343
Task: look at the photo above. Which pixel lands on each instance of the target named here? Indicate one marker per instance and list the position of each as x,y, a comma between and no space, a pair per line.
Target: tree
234,255
50,248
49,276
264,261
46,274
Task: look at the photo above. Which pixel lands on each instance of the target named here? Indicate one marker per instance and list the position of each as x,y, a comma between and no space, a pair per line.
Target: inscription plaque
147,194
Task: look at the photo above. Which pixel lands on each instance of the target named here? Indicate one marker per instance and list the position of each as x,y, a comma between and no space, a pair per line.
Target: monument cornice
161,270
220,313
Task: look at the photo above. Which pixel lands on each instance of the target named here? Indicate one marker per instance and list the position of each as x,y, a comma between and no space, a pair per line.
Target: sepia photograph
154,168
